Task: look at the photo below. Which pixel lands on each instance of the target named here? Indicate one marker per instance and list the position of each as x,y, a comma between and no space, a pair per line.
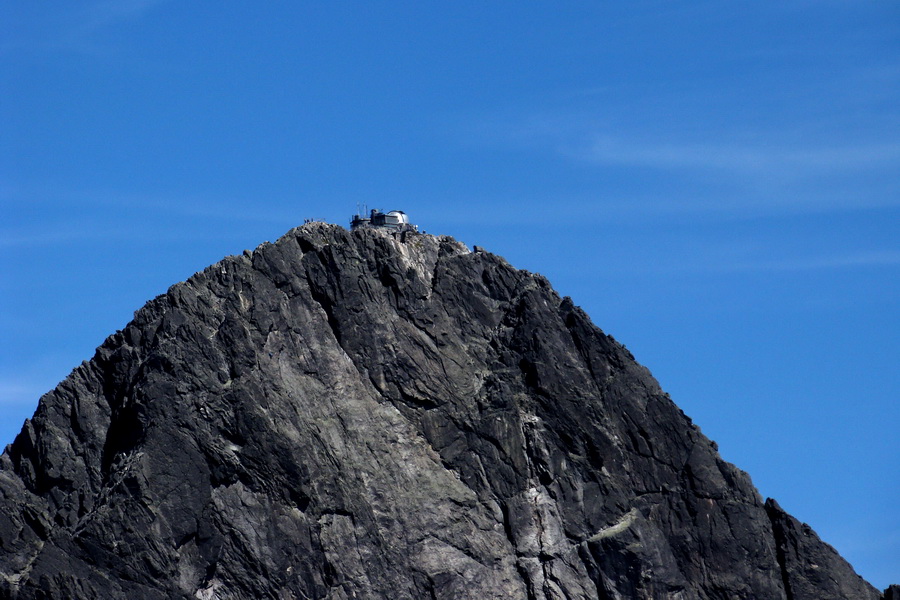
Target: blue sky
717,184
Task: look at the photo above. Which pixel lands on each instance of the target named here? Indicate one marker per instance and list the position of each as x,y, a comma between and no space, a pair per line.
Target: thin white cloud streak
108,234
848,261
884,542
77,30
602,208
782,160
110,216
112,11
885,259
15,239
109,13
17,393
87,231
729,171
590,139
722,260
121,201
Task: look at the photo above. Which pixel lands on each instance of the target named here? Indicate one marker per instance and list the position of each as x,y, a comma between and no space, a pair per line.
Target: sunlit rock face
382,415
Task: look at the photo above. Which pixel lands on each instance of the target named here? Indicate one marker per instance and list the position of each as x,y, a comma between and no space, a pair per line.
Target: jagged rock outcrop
367,415
810,568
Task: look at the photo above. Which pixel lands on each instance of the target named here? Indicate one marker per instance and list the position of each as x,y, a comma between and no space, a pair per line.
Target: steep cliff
368,415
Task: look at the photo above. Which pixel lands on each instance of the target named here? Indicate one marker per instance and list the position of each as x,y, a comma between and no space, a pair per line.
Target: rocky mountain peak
375,414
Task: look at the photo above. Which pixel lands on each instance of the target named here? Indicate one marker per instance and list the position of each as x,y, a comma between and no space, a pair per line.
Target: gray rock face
367,415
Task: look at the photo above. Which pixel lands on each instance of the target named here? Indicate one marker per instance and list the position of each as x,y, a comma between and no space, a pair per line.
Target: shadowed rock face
367,415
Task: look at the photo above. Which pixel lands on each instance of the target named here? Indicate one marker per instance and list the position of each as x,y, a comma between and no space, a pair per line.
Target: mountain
370,414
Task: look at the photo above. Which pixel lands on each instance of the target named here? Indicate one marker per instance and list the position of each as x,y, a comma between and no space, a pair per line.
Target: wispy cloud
886,258
45,236
111,232
748,169
884,541
18,393
40,216
722,258
737,157
73,30
740,149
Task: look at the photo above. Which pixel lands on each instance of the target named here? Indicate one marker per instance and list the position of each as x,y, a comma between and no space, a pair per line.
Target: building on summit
395,220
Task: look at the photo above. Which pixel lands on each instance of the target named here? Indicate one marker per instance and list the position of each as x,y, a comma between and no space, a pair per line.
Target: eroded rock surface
366,415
